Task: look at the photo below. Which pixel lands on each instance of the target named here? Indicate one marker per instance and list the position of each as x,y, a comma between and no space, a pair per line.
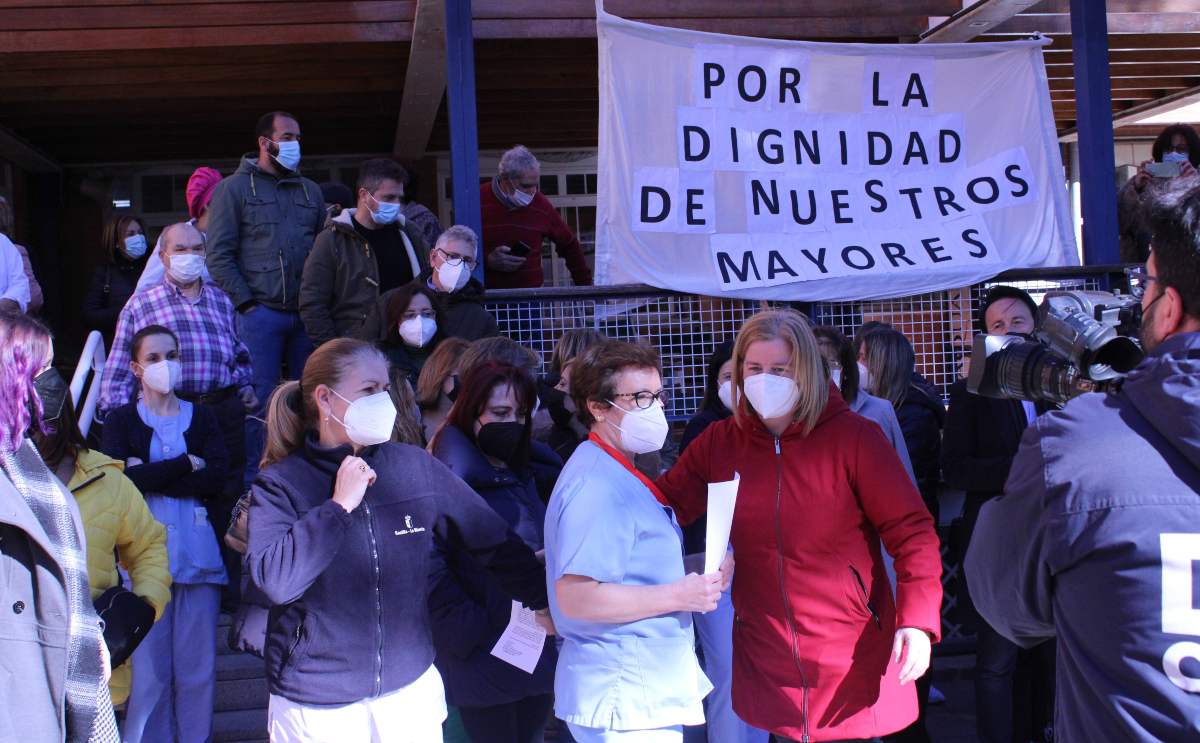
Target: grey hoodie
1096,541
260,230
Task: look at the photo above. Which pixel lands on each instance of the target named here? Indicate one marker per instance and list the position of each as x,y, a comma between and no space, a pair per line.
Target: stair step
241,694
236,726
239,666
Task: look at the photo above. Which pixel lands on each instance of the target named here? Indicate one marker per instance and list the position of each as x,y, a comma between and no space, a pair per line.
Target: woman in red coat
821,650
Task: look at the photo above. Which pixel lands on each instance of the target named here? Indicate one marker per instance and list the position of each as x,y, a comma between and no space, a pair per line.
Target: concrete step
241,694
234,666
240,726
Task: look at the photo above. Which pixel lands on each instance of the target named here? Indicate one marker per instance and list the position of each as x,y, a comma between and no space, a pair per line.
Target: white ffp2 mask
772,396
369,420
162,376
643,431
418,331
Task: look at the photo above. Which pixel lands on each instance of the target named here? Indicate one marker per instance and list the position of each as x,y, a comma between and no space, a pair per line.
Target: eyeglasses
1139,280
643,400
455,259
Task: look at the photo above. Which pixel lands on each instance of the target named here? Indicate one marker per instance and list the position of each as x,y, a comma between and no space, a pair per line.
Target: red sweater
504,226
815,615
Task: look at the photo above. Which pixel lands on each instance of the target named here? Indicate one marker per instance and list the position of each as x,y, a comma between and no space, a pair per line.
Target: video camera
1086,341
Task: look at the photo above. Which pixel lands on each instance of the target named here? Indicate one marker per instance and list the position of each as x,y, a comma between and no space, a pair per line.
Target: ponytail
285,423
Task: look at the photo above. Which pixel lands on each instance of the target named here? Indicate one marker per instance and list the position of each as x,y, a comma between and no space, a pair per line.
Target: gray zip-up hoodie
1096,541
260,231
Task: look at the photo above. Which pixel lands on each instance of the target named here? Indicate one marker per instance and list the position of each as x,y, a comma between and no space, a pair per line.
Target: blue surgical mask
388,212
135,246
289,154
1175,157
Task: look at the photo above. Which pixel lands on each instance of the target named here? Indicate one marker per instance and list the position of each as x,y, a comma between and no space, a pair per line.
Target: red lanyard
658,495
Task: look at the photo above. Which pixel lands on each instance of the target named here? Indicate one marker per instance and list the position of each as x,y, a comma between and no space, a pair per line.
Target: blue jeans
273,337
715,631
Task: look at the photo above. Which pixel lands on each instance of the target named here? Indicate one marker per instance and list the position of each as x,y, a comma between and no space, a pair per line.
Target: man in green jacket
261,226
364,252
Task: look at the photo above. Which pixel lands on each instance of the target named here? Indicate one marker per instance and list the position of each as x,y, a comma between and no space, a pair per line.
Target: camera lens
1008,367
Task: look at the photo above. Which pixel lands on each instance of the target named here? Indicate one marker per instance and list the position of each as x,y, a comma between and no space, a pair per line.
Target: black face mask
556,405
503,441
52,389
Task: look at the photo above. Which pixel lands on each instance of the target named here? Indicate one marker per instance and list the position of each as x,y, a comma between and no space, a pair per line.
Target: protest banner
767,169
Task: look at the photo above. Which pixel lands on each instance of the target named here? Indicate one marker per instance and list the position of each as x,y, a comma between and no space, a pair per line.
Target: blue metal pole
464,134
1093,106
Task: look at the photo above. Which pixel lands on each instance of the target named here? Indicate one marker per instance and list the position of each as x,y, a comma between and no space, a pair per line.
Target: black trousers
231,418
522,721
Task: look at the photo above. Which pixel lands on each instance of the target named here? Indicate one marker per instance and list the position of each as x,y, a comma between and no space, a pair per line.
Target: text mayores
746,261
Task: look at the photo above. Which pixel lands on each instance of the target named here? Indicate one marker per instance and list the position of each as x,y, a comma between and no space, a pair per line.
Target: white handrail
91,362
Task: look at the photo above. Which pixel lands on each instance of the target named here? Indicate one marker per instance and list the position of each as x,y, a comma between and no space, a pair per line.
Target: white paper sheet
722,496
523,640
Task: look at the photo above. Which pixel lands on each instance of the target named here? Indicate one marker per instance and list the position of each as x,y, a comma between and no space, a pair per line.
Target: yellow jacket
115,517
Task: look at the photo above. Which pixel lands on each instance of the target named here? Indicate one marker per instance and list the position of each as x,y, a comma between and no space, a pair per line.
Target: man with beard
1096,538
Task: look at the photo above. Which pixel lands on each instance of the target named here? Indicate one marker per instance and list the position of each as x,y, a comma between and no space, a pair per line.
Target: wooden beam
24,155
789,27
1116,71
1144,110
1131,83
1118,23
1056,57
974,20
1062,42
46,42
424,81
720,9
205,15
1122,6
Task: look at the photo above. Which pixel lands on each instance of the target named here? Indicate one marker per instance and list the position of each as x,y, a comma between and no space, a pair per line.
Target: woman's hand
542,617
353,478
911,650
699,593
726,571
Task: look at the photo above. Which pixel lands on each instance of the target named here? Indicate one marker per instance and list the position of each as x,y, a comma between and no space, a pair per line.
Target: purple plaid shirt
211,354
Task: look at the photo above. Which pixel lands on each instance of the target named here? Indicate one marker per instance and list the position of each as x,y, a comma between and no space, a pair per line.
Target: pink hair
24,351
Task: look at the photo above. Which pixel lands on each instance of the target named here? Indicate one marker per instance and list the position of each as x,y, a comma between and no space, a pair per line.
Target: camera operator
1014,688
1096,536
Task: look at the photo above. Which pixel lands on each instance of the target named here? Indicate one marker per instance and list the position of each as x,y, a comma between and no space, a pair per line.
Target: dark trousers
275,339
1014,689
522,721
231,419
916,732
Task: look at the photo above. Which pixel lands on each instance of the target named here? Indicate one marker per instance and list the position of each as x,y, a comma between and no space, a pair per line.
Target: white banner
763,169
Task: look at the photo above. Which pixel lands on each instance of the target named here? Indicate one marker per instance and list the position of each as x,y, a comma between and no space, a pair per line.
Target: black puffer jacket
470,609
921,417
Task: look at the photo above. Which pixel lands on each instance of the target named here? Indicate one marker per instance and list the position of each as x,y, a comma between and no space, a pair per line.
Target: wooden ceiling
88,81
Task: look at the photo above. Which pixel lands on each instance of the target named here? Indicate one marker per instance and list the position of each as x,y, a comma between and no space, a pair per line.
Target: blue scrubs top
603,523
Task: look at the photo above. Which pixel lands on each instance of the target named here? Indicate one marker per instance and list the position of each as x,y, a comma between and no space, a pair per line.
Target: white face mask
642,431
289,154
837,377
418,331
522,198
135,246
453,278
1174,157
369,420
771,396
186,267
162,376
864,377
725,394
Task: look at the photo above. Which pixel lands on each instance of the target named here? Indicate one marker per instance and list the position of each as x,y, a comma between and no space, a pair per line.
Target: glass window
591,183
157,194
576,183
548,185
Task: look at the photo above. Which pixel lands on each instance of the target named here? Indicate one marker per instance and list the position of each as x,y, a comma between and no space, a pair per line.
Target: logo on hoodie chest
408,527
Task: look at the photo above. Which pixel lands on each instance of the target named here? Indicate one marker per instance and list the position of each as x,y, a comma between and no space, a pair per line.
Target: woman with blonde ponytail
342,522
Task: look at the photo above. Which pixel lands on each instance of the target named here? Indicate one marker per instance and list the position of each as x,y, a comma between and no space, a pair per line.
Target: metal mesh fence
686,328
